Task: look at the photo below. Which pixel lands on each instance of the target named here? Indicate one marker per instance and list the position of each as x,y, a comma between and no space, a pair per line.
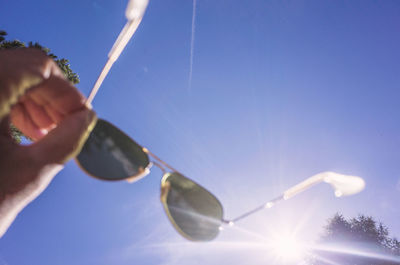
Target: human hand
43,105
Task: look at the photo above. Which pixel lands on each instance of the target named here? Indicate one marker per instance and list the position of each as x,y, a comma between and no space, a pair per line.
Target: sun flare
288,248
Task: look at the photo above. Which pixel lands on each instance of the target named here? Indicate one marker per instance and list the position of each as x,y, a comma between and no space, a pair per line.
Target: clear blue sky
281,90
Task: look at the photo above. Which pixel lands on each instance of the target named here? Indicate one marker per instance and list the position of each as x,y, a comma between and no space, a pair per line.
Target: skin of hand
43,105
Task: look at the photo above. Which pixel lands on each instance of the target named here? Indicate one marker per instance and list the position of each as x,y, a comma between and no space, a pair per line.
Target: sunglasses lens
194,211
110,154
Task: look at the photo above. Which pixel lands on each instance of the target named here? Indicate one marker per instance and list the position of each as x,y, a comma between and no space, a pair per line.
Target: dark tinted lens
111,155
195,211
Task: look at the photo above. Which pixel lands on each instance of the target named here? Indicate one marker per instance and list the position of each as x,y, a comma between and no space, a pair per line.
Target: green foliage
363,234
16,134
61,62
2,34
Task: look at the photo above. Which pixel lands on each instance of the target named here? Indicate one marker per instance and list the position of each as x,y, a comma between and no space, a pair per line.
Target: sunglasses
109,154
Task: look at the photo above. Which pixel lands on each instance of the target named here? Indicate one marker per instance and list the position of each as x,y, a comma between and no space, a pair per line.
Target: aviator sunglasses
109,154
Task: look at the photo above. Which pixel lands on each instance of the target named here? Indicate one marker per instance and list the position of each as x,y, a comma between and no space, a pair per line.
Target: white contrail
192,45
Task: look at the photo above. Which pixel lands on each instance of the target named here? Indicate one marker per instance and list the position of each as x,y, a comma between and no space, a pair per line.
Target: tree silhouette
357,241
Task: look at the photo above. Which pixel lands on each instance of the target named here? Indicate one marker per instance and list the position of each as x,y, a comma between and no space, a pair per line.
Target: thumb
66,140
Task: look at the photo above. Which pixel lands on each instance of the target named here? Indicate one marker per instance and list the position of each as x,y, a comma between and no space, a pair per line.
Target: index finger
57,94
20,70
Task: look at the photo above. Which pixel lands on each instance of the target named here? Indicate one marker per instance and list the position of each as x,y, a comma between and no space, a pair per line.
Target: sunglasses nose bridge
160,163
160,167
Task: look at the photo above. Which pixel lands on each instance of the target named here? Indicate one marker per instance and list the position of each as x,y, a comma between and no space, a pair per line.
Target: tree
2,34
62,63
357,241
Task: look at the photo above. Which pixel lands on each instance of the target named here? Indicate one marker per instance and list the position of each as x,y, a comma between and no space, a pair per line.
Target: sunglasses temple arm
266,205
98,83
119,45
289,193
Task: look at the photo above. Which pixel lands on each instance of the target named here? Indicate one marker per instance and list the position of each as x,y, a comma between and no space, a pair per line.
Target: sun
288,249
